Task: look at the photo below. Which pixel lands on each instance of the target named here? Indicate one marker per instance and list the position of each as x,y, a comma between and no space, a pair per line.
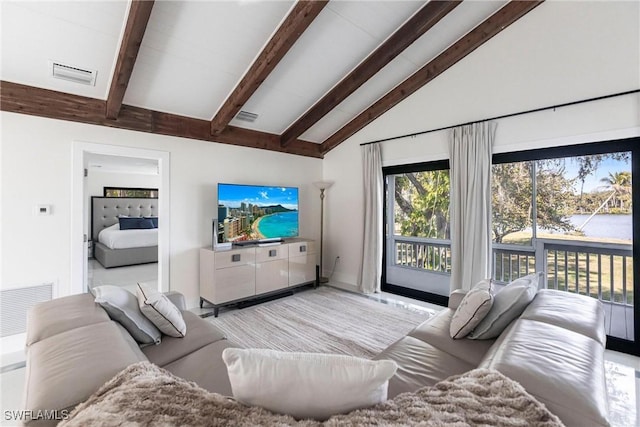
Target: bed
117,248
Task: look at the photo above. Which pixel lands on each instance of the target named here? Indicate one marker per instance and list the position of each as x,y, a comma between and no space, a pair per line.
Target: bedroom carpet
323,320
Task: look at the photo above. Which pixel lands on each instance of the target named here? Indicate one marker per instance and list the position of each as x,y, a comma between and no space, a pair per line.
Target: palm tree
620,184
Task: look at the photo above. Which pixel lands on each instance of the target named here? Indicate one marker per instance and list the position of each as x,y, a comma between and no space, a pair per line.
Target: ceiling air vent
73,74
246,116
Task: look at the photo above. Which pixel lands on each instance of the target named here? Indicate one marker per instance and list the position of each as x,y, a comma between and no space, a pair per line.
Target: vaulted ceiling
309,73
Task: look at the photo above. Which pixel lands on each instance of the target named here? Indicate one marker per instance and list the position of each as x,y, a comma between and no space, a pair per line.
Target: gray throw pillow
472,309
122,306
508,304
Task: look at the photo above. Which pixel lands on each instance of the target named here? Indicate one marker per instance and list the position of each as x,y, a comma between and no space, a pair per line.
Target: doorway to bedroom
122,196
123,188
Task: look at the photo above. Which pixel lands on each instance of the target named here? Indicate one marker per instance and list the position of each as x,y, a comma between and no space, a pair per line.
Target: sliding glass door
418,249
569,212
566,211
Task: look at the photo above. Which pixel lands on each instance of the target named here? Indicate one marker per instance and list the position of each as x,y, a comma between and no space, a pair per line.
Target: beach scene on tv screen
247,212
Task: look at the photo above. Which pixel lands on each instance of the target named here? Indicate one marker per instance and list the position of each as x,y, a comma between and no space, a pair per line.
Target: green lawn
606,275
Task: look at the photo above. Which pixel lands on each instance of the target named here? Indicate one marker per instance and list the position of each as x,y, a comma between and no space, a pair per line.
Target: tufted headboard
105,211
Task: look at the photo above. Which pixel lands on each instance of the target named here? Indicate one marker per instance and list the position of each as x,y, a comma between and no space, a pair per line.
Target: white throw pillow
161,312
508,304
472,309
306,385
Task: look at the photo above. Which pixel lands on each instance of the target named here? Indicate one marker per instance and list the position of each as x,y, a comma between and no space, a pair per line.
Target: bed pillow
154,220
508,304
122,306
306,385
135,223
162,312
472,309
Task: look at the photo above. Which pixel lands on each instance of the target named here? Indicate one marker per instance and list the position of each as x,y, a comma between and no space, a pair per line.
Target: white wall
558,53
36,169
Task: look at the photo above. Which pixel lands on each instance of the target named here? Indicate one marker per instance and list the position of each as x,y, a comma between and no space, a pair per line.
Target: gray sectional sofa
555,349
73,348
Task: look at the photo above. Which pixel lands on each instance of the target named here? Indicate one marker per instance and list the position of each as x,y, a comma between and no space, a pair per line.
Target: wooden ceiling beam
412,30
298,20
34,101
493,25
139,14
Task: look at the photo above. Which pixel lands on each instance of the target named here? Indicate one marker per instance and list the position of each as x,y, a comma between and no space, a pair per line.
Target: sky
232,195
593,181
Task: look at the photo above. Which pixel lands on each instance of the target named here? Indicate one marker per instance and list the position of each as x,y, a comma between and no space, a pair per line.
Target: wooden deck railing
600,270
423,254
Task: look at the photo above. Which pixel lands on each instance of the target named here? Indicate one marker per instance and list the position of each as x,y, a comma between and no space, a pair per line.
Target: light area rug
322,320
145,395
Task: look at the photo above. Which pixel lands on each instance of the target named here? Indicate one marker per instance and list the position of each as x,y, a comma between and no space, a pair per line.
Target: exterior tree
422,202
512,192
554,196
588,165
422,198
620,184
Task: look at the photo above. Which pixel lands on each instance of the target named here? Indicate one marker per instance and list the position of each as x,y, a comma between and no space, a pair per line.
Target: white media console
239,274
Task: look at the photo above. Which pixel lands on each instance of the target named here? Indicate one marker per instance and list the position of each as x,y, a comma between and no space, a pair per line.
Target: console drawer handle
273,253
303,248
235,258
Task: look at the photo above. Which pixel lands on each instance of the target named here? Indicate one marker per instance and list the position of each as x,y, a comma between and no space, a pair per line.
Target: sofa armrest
177,298
456,297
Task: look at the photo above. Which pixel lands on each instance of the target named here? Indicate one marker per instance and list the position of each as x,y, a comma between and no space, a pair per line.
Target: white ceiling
121,164
81,34
195,52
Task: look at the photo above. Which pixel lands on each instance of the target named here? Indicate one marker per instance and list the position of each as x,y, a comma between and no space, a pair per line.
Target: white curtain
470,149
373,239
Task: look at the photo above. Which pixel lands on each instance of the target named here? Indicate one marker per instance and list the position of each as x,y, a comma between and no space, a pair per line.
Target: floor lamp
322,185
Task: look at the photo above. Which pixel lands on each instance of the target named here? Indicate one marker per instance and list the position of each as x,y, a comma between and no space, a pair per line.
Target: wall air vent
246,116
73,74
16,302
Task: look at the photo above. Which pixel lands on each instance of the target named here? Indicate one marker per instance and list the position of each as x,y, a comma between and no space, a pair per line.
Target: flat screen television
249,213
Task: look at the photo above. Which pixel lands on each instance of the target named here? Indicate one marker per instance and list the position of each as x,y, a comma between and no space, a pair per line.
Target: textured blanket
146,395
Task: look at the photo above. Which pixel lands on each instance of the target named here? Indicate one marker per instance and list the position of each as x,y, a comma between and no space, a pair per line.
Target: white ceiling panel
379,19
343,35
380,84
80,34
452,27
283,107
193,96
327,126
194,53
389,77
